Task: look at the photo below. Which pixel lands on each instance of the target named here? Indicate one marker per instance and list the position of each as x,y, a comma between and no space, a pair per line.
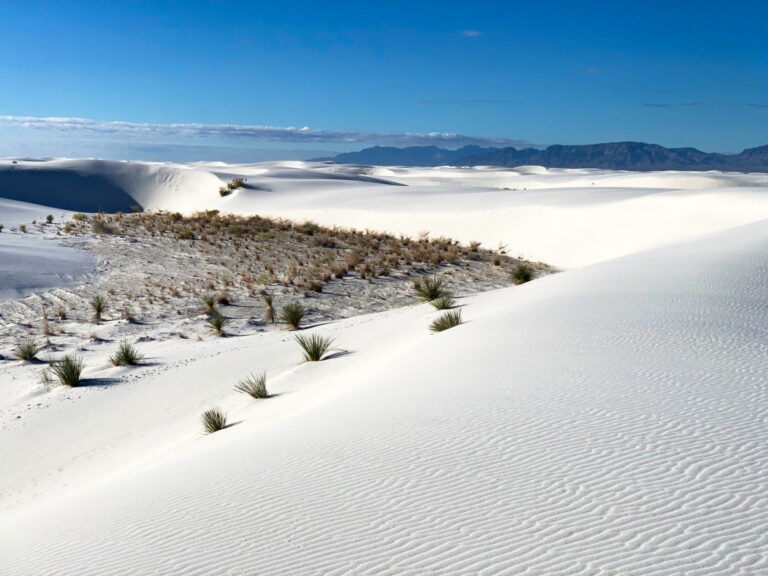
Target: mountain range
612,155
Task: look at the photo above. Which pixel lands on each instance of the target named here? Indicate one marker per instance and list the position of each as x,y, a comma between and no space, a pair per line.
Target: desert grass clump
254,386
217,322
523,273
99,306
214,420
446,320
126,355
444,302
27,350
209,300
314,346
69,370
269,307
430,288
292,314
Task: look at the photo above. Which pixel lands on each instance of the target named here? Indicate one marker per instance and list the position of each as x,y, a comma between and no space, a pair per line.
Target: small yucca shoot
26,350
314,346
292,314
523,273
126,355
446,320
214,420
254,386
99,305
209,300
269,308
445,302
69,370
217,322
430,288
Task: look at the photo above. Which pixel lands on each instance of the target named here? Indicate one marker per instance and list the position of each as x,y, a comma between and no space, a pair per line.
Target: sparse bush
214,420
99,306
99,226
49,219
22,228
444,302
314,346
224,191
45,376
269,307
80,217
236,183
446,320
523,273
126,355
254,386
430,288
217,322
26,350
292,314
69,370
185,234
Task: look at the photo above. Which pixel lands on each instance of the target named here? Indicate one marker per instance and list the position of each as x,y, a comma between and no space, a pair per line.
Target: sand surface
606,420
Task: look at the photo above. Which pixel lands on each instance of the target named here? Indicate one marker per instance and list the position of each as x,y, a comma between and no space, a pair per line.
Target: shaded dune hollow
66,190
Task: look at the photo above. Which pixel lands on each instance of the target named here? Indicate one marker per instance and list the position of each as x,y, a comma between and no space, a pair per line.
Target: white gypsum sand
606,420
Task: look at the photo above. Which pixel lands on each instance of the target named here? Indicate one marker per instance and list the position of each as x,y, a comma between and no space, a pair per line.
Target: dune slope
609,420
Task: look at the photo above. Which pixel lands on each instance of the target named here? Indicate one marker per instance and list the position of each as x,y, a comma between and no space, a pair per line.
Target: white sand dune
567,218
609,420
603,421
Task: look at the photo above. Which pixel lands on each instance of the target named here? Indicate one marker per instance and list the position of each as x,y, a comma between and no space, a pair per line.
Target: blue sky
240,80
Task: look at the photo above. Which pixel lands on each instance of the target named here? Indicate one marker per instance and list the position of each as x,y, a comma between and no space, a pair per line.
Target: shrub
49,219
98,226
445,302
523,273
236,183
224,191
126,355
446,320
99,305
69,370
269,308
185,234
314,346
217,322
26,350
1,227
80,217
22,227
214,420
210,304
292,314
254,386
430,288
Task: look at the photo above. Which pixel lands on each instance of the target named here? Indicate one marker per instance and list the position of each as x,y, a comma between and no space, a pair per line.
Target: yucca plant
217,322
446,320
445,302
126,355
214,420
209,300
523,273
26,350
430,288
269,308
292,314
69,370
99,305
254,385
314,346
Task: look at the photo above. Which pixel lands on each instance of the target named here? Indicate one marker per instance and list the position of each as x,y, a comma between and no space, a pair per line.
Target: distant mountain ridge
612,155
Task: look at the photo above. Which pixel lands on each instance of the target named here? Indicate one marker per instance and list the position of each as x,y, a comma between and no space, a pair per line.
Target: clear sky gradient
294,79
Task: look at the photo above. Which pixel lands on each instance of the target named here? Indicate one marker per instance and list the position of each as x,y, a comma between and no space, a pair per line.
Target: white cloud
249,133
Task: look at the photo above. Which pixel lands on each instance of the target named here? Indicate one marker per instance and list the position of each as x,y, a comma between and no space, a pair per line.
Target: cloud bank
243,133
